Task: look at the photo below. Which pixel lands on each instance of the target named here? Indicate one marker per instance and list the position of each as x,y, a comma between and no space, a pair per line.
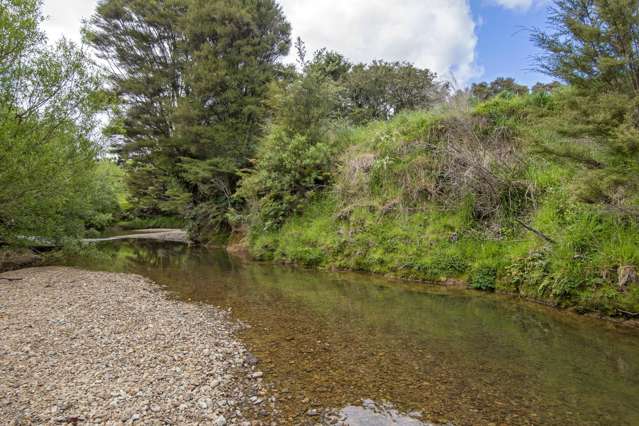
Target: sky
464,41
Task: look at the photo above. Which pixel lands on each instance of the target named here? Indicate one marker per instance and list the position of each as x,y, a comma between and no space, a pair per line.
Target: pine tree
192,77
234,48
140,40
594,44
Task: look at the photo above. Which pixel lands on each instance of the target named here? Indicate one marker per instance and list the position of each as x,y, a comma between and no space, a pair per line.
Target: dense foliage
192,78
484,91
380,90
376,167
295,157
503,188
50,183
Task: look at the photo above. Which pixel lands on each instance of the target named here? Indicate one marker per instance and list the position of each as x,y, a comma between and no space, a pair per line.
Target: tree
382,89
329,64
49,98
234,48
547,88
296,156
593,44
192,77
141,42
484,91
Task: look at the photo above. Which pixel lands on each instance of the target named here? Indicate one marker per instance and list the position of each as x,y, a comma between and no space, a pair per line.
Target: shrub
484,278
289,170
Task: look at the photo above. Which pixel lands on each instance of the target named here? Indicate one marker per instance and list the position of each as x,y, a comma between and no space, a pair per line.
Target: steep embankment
498,198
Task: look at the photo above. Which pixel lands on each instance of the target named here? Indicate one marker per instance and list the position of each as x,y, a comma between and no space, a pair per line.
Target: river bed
340,341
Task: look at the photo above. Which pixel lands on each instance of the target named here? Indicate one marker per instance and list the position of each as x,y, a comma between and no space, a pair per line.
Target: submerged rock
372,414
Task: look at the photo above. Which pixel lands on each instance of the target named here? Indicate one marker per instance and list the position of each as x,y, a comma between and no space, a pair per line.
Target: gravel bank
92,347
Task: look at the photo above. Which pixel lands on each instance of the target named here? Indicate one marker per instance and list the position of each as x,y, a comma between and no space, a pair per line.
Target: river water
348,341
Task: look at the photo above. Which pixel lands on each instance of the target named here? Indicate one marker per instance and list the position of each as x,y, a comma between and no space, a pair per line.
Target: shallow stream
334,340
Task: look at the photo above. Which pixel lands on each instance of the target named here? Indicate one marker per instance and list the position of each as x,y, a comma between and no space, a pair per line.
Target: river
447,356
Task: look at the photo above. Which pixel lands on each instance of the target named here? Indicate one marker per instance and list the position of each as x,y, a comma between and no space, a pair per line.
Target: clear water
331,340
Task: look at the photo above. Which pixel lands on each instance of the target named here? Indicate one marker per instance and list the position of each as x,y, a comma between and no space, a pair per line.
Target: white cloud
520,4
438,34
64,17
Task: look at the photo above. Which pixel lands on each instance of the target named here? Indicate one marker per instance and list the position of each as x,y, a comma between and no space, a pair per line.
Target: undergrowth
505,197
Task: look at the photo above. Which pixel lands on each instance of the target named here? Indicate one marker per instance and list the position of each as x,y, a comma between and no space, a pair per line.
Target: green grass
379,215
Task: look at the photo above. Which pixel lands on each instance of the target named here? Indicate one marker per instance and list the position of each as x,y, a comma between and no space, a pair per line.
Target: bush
295,158
289,170
484,278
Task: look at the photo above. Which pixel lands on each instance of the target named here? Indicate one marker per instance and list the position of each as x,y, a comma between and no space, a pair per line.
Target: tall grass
484,195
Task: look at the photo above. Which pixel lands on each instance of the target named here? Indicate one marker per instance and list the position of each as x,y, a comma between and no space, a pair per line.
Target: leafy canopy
49,98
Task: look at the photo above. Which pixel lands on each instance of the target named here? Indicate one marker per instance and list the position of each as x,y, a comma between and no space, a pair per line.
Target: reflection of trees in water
564,362
488,336
158,255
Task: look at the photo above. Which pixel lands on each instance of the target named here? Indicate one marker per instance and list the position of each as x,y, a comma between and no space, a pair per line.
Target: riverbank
241,249
492,195
12,258
95,347
18,258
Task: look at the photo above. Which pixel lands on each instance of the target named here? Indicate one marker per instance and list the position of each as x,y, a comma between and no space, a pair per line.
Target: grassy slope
374,219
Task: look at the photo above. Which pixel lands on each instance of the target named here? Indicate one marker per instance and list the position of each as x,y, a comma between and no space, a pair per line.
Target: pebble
114,349
204,403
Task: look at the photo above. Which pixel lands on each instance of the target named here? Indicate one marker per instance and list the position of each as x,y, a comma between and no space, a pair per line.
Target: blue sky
468,40
503,46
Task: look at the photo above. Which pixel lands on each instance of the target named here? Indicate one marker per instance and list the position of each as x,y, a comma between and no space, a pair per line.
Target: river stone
113,358
251,359
204,403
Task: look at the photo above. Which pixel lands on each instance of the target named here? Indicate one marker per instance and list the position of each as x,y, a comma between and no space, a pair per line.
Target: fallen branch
536,232
11,279
628,314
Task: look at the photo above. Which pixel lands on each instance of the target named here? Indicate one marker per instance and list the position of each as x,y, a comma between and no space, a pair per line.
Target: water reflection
331,340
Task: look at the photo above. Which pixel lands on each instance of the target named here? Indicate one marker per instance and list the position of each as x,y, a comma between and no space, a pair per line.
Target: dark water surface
331,340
